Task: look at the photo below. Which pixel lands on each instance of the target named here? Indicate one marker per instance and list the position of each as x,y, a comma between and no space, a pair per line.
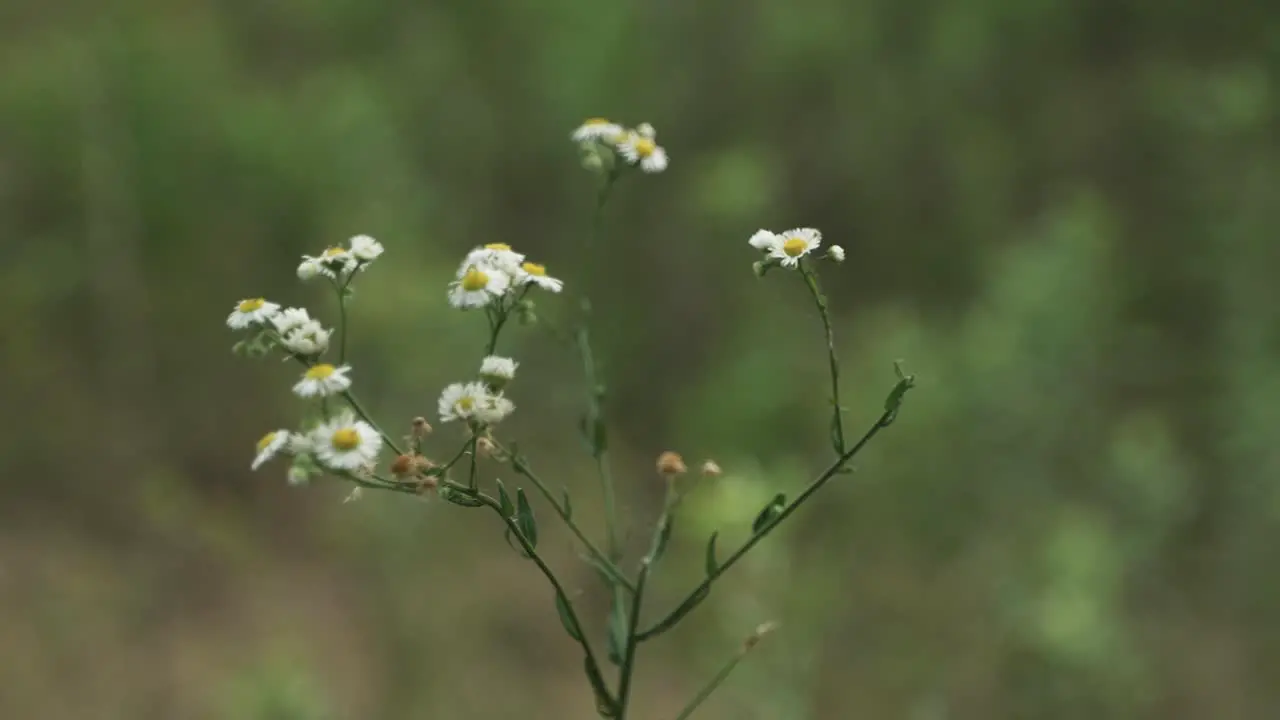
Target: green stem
695,596
715,682
602,561
837,422
355,405
529,550
342,318
627,670
471,474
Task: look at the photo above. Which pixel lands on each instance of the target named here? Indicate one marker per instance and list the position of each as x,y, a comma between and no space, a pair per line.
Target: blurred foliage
1062,214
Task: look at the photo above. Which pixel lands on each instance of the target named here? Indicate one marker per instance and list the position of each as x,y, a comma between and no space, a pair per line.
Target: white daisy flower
792,245
499,256
641,149
254,311
309,339
764,241
323,379
269,446
477,286
290,318
836,253
365,249
497,371
597,129
537,274
345,443
459,400
331,263
493,409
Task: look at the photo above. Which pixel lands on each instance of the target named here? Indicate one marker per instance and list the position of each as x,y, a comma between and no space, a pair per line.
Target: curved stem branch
695,596
837,422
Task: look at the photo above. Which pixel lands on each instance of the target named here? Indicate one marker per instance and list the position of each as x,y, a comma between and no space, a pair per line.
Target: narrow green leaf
712,565
618,629
837,440
770,511
568,505
504,500
524,518
605,704
566,618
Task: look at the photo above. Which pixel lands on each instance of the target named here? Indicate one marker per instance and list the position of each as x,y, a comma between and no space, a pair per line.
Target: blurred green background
1061,214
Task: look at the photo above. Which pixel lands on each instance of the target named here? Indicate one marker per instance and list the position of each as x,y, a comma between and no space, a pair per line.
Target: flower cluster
480,403
602,141
338,442
496,275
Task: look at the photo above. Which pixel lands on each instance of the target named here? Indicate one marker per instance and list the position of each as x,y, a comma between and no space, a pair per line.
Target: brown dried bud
403,466
420,427
485,447
760,631
711,469
670,463
427,483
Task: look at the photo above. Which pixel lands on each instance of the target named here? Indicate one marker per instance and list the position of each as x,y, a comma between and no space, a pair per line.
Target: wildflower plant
336,437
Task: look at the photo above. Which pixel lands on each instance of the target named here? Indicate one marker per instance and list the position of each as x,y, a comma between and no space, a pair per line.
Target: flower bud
670,464
836,253
711,469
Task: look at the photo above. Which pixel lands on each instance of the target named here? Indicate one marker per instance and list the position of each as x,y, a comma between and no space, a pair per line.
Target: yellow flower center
345,440
474,280
465,404
266,441
795,246
596,121
248,306
333,252
320,372
534,269
498,246
644,147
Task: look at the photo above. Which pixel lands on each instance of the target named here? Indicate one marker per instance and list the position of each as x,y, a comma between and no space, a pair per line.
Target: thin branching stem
695,596
716,681
529,550
602,561
837,422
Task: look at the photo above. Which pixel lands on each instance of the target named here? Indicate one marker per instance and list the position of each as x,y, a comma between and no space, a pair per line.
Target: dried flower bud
760,631
427,483
420,427
670,463
485,447
404,466
711,469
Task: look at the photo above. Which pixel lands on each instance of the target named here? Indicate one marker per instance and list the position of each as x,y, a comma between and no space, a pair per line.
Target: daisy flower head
345,443
365,249
497,371
836,253
764,241
290,318
310,338
499,256
493,410
640,148
270,446
537,275
477,285
459,401
254,311
597,129
323,380
792,245
331,263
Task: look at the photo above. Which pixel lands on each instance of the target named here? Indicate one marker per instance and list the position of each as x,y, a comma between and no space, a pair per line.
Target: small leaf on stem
524,518
711,564
504,500
567,618
770,511
617,632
